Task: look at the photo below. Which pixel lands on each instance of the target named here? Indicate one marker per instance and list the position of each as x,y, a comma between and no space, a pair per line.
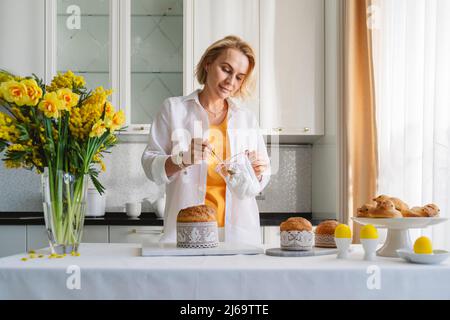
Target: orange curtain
359,111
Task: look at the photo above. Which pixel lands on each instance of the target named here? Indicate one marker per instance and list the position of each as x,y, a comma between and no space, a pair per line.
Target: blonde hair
216,49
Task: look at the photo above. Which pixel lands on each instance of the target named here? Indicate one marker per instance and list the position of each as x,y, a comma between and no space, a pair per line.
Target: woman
191,134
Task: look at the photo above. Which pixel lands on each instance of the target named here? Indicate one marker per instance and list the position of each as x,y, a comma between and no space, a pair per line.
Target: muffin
296,234
324,234
197,227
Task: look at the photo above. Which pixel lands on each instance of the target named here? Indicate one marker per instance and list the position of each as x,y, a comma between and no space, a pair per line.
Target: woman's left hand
258,164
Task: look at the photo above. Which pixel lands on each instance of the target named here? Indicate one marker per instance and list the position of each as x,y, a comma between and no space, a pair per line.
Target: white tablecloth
117,271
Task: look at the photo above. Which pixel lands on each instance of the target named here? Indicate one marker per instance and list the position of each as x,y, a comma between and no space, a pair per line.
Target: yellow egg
423,246
368,232
342,231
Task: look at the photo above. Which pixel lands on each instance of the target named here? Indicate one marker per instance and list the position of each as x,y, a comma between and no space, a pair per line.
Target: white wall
22,36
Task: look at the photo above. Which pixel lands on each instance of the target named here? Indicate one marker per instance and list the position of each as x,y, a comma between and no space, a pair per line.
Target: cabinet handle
279,129
146,231
306,129
139,128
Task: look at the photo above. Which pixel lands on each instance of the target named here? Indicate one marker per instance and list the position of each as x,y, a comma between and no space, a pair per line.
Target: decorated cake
296,234
324,234
197,227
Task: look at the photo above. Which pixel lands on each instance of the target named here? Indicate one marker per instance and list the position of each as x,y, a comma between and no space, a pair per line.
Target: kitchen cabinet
271,236
134,234
16,239
95,234
147,51
13,240
292,46
289,41
22,20
215,19
36,237
136,47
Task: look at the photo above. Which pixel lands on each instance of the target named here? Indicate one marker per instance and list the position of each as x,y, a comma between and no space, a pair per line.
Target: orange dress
215,184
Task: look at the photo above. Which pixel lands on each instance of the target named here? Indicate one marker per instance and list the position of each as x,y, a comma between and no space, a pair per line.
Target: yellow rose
116,121
69,98
14,92
34,92
98,129
51,105
5,76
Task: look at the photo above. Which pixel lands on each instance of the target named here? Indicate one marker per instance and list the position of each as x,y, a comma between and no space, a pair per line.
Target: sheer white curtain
411,48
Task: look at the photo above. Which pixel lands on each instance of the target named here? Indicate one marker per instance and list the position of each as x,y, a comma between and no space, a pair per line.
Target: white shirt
181,119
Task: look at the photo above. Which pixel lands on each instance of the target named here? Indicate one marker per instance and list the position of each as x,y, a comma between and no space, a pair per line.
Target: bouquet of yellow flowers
61,130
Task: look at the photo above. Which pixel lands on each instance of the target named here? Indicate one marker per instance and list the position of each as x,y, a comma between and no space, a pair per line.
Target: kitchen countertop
145,219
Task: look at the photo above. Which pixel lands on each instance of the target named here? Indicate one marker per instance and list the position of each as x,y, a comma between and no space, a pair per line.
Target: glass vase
64,201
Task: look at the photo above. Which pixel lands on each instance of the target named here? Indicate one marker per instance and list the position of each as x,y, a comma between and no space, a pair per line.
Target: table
117,271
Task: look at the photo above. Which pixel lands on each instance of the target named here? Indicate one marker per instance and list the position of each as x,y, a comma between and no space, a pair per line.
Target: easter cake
197,227
296,234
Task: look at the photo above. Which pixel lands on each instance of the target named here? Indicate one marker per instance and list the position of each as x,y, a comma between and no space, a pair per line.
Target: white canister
160,205
133,209
95,203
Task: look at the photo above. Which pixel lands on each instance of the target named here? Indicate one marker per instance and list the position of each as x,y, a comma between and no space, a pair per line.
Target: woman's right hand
199,151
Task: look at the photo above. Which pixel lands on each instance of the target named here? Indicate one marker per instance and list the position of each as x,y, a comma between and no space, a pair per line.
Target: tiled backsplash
289,190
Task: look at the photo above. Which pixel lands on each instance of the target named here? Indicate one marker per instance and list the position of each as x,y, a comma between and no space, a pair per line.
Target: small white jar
95,203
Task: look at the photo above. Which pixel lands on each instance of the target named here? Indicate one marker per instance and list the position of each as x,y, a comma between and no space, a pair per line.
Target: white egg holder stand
398,231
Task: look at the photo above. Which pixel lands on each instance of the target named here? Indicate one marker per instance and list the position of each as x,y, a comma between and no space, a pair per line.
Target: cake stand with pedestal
398,231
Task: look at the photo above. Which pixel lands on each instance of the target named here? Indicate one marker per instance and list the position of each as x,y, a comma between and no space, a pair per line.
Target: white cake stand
397,234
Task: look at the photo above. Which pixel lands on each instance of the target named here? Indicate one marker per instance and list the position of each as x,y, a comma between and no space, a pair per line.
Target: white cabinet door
156,56
272,236
215,19
37,237
292,66
12,240
134,47
135,234
26,56
95,234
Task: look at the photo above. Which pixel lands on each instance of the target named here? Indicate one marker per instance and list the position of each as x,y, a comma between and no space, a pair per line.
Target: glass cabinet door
83,40
135,47
156,56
